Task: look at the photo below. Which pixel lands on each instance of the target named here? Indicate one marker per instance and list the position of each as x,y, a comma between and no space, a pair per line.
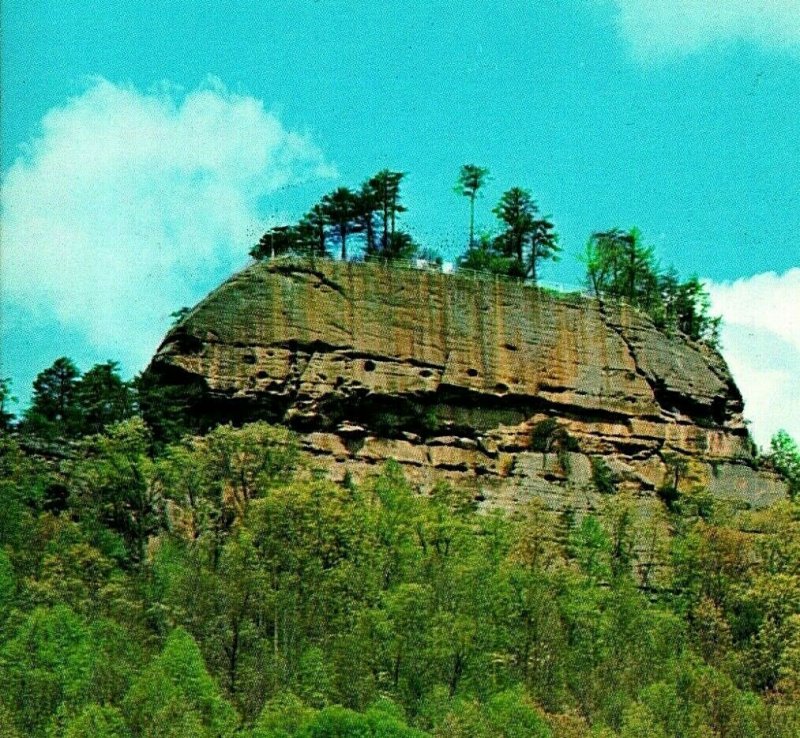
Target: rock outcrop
504,389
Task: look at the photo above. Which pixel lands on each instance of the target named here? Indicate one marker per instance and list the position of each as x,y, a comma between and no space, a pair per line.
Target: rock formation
504,389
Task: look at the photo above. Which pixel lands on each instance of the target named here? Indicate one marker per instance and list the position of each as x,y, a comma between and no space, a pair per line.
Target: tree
168,409
471,179
543,245
102,398
53,411
312,231
368,204
620,266
277,241
528,237
6,398
46,662
785,457
486,256
401,246
110,487
175,697
340,208
96,721
517,211
385,187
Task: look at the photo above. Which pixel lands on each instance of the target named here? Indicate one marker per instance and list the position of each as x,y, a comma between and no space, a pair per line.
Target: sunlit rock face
508,391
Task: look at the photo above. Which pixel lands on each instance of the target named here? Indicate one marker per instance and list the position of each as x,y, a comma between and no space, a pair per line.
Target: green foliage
68,405
103,398
6,398
175,697
370,213
222,588
111,490
166,408
380,196
96,721
53,411
785,457
47,661
341,208
471,179
619,266
602,476
549,435
527,237
484,256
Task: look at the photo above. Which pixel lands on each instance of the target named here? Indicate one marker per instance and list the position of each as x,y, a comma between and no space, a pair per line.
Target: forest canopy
217,586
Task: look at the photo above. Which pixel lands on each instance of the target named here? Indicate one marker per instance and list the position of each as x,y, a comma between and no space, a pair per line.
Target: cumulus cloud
130,204
657,28
761,342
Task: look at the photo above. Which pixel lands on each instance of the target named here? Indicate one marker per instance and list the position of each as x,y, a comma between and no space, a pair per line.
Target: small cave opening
369,365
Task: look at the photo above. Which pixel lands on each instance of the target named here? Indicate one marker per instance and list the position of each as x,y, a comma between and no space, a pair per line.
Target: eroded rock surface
465,380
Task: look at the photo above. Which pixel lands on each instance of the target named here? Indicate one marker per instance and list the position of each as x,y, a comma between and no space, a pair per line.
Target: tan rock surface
450,376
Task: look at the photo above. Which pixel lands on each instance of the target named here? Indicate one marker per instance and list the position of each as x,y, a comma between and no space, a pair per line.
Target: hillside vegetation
219,587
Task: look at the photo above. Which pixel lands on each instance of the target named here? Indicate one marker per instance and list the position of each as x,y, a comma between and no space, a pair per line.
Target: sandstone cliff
504,389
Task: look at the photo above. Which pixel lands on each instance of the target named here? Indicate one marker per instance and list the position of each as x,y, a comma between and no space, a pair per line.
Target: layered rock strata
506,390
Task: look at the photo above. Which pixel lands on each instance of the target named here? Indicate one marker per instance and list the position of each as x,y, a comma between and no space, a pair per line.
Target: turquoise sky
613,112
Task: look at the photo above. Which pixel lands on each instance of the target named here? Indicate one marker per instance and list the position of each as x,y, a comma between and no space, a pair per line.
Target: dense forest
156,582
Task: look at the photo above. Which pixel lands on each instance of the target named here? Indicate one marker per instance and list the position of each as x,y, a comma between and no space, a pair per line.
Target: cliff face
498,387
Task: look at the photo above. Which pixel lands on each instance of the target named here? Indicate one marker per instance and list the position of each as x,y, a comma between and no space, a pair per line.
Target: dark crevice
293,271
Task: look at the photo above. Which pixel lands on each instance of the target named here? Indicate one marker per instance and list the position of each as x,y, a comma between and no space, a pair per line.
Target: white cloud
761,342
132,204
657,28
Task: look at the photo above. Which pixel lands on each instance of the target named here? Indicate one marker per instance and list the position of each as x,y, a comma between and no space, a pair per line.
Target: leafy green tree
167,409
48,661
7,585
506,714
528,237
96,721
6,398
24,481
277,241
174,697
339,722
53,411
543,245
486,256
471,179
619,266
110,487
103,398
283,715
785,457
401,246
